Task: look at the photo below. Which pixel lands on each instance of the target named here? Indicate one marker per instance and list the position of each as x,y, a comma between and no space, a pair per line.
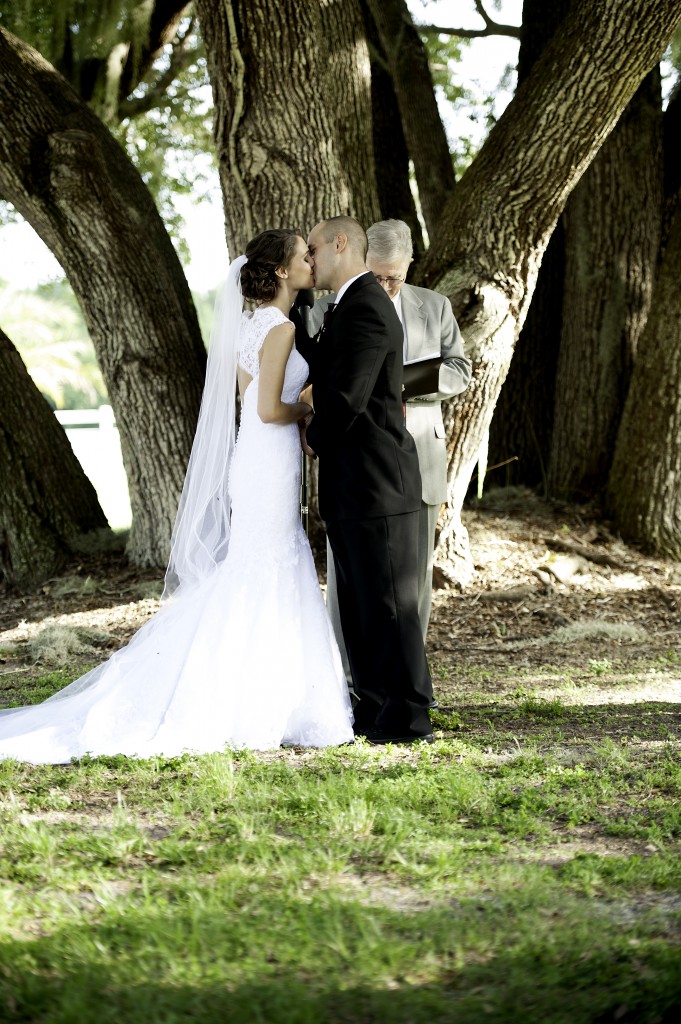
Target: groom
369,488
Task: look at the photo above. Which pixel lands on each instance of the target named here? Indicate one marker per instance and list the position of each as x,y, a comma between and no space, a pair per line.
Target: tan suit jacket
430,327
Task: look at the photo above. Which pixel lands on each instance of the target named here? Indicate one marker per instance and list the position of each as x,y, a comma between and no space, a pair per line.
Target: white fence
93,435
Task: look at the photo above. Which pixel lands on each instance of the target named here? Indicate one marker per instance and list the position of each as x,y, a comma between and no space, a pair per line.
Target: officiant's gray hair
390,241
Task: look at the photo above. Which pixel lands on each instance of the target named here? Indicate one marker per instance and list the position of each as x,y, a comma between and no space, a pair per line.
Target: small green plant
540,707
599,666
520,693
446,721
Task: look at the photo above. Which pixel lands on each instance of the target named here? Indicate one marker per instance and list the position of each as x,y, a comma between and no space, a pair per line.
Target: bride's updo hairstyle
267,251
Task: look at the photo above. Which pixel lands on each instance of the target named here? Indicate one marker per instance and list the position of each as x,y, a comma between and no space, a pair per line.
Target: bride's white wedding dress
245,657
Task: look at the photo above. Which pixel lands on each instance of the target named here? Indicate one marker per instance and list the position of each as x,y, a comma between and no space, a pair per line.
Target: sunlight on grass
525,866
340,885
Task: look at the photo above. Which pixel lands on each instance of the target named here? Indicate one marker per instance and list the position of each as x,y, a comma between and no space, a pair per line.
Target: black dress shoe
374,736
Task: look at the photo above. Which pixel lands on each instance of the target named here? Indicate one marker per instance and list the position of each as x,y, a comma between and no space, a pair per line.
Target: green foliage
599,666
48,329
444,56
165,124
79,37
172,144
444,52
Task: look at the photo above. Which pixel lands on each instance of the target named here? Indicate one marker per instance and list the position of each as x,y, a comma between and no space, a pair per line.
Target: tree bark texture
292,92
523,417
46,501
495,227
612,236
70,179
522,423
421,123
347,88
393,183
644,490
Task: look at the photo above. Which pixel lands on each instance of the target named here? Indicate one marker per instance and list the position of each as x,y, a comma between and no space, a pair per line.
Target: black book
420,376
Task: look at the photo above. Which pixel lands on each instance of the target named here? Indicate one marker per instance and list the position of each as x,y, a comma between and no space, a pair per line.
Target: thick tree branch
139,58
46,501
73,182
423,130
493,231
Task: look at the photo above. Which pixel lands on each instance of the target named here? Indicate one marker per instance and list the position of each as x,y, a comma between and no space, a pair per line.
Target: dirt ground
558,607
554,586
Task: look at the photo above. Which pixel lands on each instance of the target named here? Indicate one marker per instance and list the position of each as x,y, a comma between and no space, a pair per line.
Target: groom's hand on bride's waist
302,427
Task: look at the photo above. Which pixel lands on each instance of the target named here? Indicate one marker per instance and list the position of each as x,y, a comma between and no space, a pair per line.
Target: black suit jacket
368,465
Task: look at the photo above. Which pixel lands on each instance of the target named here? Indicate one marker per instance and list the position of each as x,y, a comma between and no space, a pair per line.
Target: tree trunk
46,501
644,490
295,155
612,236
73,183
393,183
421,122
292,91
522,424
523,418
347,86
495,227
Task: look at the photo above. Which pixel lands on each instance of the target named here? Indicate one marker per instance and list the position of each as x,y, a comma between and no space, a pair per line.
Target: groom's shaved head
351,228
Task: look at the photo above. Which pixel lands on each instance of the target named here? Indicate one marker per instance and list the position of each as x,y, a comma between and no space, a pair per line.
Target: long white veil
201,533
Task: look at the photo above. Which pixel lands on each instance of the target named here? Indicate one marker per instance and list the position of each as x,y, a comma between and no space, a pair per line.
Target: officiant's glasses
392,282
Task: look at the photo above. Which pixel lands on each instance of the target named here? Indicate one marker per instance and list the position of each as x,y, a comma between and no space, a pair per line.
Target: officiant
436,368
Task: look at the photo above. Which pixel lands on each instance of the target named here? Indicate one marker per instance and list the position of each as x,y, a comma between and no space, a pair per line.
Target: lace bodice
254,329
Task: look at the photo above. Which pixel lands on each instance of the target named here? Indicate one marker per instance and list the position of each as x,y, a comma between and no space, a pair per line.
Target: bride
241,652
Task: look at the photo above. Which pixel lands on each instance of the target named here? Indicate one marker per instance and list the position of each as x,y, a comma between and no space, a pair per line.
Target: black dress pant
376,563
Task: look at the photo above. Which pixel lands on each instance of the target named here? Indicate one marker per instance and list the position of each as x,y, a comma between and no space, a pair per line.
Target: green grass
19,690
345,885
524,868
